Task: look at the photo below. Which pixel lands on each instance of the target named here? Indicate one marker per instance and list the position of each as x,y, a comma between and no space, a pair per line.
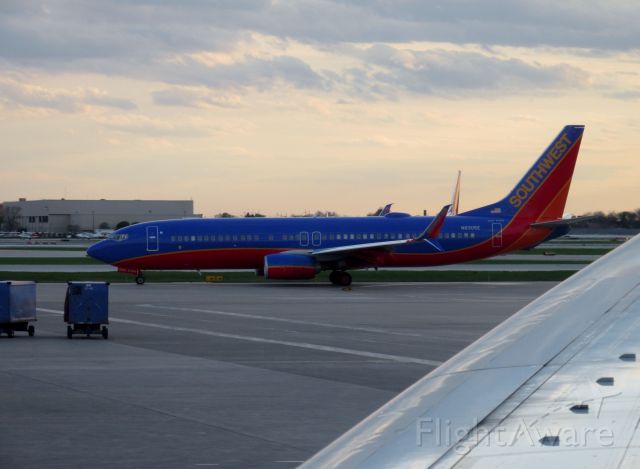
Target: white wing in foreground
555,385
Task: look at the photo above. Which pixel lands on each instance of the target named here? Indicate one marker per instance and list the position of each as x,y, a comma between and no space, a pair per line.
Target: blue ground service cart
17,307
86,308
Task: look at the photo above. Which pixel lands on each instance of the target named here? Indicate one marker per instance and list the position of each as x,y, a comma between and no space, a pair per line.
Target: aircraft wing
430,232
554,386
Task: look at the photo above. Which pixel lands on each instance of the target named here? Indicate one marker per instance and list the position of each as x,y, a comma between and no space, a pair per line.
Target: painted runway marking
150,313
304,345
290,321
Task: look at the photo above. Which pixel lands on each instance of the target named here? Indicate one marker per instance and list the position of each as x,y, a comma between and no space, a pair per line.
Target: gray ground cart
86,308
17,307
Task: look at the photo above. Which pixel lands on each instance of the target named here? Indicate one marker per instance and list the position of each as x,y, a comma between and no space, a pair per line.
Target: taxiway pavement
228,375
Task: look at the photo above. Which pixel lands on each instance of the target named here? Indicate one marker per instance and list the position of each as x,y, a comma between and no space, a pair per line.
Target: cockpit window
118,236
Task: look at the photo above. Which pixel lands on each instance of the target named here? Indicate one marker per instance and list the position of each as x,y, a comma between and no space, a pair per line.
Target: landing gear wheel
69,332
334,276
140,279
31,331
344,279
105,332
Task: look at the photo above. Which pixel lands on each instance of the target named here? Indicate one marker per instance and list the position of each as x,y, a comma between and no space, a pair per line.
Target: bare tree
12,218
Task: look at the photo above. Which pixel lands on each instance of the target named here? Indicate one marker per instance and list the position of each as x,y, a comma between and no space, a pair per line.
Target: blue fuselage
243,242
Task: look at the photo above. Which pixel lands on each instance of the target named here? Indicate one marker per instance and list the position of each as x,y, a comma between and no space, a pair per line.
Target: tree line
599,220
602,220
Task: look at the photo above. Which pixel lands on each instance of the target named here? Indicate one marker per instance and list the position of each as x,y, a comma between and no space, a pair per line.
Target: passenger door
152,238
304,238
316,239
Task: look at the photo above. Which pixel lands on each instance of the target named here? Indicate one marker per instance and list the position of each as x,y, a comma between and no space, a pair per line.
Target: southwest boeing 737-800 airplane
299,248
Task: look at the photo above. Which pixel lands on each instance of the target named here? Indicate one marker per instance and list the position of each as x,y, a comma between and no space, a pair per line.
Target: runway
229,375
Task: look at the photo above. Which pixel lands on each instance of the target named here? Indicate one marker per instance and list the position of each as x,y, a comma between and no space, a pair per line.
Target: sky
285,107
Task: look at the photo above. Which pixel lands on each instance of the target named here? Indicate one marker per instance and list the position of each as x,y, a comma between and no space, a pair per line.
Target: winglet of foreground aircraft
299,248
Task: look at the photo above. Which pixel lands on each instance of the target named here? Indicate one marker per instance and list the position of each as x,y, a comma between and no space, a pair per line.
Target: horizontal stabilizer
560,222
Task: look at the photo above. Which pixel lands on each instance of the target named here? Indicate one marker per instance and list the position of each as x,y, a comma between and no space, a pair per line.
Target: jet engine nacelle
290,266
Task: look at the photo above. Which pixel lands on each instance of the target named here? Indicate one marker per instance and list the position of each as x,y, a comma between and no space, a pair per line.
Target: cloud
67,31
627,95
254,72
446,72
152,127
22,95
219,45
194,97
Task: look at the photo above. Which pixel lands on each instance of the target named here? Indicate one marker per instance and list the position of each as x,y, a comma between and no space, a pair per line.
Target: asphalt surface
550,267
228,375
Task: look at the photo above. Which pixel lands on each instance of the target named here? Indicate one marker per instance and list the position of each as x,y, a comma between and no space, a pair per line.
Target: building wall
61,216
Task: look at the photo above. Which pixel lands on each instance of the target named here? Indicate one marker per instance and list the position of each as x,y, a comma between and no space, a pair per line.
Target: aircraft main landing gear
140,279
340,278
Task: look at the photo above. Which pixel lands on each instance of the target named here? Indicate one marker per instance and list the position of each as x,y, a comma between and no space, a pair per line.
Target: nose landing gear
129,271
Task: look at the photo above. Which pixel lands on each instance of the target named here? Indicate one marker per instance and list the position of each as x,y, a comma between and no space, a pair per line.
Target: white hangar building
63,216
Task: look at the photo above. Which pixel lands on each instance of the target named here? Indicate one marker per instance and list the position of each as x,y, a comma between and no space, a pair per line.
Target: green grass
358,276
526,262
48,261
563,242
22,247
564,251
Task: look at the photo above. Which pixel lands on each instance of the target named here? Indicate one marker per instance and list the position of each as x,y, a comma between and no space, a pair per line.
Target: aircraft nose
97,251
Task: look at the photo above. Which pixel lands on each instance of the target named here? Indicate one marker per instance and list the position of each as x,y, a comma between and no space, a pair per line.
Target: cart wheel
31,330
105,332
10,333
69,332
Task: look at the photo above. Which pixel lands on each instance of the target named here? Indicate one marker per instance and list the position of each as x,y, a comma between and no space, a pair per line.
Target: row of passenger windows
314,237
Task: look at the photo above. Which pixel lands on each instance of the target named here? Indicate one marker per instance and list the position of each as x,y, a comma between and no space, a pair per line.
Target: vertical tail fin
455,197
542,192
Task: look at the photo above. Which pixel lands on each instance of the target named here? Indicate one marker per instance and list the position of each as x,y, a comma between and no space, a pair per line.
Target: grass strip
48,261
22,247
526,262
564,251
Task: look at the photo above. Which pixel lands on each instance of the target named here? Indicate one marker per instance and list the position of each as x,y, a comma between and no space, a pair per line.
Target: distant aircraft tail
542,192
455,197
